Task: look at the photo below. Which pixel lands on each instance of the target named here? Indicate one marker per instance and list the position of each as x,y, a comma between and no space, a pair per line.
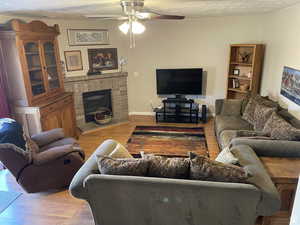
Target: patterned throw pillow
130,167
202,168
261,115
266,102
280,129
161,166
248,114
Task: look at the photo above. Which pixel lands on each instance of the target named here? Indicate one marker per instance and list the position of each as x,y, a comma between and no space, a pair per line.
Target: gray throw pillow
280,129
261,115
202,168
161,166
130,167
232,107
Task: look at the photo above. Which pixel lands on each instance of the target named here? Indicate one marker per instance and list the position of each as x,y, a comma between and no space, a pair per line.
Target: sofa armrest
270,148
76,187
47,137
56,153
218,106
270,199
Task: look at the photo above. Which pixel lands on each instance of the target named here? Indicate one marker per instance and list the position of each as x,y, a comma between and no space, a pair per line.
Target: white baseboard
142,113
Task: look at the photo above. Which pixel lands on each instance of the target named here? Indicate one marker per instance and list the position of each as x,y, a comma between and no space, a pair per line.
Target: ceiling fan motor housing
131,7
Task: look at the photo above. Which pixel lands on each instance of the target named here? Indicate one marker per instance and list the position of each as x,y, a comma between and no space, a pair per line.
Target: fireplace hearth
97,106
95,96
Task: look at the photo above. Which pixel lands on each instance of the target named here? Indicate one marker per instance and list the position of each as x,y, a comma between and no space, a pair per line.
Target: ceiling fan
134,10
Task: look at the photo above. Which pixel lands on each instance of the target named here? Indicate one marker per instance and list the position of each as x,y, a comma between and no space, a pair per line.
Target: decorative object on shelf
73,60
122,63
236,72
290,84
102,59
249,74
244,87
82,37
235,83
133,11
245,56
103,116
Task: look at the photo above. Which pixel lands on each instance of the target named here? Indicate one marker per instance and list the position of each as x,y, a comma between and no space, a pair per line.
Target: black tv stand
180,110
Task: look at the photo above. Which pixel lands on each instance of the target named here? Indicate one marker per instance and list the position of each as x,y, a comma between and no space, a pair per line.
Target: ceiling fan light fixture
137,27
124,27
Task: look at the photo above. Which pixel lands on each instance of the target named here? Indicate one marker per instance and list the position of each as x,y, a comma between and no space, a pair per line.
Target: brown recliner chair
49,162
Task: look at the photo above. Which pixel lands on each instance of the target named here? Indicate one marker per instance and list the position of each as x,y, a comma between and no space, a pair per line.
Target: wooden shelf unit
250,70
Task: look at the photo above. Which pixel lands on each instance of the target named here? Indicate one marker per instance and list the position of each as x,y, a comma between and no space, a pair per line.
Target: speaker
204,114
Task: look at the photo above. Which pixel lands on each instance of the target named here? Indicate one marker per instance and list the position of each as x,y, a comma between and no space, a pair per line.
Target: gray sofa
228,126
129,200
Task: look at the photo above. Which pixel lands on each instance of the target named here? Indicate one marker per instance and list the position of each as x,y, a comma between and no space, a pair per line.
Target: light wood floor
59,207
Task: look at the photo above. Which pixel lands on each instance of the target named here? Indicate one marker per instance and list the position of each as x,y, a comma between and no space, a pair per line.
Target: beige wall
114,37
281,33
196,43
190,43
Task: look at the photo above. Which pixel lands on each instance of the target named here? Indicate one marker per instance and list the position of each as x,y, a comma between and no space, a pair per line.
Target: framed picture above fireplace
101,59
73,60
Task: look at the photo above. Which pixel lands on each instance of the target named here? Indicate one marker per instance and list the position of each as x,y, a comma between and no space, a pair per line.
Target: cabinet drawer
56,106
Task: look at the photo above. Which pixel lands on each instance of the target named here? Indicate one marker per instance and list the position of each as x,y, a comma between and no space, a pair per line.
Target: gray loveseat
228,126
129,200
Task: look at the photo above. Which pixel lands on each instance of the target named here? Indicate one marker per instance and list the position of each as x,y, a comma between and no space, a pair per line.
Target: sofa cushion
130,167
161,166
230,123
232,107
226,136
202,168
280,129
261,115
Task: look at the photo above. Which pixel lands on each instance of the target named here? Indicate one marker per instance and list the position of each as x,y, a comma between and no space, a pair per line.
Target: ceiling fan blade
148,14
117,17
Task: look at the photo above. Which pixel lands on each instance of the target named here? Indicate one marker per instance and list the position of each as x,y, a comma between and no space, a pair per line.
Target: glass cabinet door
51,65
34,68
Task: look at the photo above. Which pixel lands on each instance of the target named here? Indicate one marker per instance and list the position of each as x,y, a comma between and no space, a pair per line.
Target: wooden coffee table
284,172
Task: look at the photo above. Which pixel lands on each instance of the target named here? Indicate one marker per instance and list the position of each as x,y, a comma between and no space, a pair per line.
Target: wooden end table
284,172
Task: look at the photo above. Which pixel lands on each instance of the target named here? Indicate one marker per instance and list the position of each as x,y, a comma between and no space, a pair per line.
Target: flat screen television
179,81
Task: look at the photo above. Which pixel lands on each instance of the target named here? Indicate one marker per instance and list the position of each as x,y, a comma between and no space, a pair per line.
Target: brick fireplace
93,93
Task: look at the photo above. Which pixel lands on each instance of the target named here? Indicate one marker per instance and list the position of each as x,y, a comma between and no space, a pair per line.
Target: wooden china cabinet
31,63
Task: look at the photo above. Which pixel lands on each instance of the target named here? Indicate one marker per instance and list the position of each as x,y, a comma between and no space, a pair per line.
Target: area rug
167,140
6,198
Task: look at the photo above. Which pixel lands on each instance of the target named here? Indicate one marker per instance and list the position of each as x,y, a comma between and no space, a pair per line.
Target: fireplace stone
115,82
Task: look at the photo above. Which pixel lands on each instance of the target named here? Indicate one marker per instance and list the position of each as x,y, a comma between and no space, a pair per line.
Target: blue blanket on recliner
11,132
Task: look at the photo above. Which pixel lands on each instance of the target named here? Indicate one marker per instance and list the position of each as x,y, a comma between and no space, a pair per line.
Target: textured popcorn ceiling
189,8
